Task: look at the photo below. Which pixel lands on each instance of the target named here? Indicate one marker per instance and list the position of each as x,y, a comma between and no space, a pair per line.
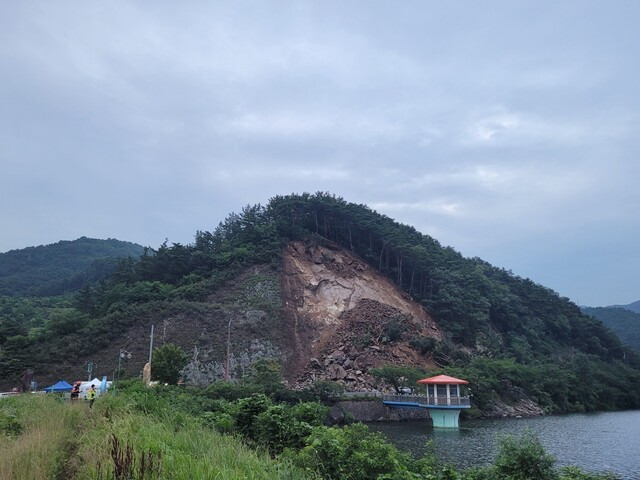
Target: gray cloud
504,130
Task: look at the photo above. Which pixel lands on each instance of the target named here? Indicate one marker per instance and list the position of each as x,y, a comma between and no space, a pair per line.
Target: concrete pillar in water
445,417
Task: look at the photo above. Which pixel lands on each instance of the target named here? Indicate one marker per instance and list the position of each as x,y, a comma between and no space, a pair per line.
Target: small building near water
444,400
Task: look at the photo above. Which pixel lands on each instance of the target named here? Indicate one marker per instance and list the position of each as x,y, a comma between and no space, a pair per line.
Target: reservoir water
596,442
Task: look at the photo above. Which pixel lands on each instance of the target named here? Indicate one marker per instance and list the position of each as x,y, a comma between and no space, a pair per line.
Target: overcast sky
508,130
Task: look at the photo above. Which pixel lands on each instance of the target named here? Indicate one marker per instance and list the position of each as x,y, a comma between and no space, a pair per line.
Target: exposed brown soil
336,308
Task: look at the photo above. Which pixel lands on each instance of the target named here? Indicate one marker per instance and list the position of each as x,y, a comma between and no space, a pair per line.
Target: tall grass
191,452
50,439
184,447
46,437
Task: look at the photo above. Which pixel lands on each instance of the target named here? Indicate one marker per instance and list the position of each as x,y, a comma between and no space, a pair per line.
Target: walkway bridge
426,401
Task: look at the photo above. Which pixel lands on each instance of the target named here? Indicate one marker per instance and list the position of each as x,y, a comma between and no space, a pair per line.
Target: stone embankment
373,411
524,407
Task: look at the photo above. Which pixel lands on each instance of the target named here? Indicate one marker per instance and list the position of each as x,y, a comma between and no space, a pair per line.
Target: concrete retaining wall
374,411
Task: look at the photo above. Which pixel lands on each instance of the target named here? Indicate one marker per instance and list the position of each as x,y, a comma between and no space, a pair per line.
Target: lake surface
596,442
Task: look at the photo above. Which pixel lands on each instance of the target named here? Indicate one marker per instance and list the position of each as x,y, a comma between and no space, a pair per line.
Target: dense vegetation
134,436
624,323
61,267
506,334
176,433
634,306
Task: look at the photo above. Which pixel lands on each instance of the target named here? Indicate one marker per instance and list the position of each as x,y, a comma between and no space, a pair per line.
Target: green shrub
232,391
223,422
479,473
398,376
393,330
267,372
423,344
352,453
575,473
245,412
283,426
323,390
524,458
9,423
313,413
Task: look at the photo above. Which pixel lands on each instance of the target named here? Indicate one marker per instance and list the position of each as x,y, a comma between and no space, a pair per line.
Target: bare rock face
520,406
337,310
322,284
525,407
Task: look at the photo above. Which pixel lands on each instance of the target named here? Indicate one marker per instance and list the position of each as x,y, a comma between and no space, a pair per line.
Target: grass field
42,437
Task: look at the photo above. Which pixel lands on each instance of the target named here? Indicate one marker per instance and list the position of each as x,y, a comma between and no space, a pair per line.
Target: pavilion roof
442,380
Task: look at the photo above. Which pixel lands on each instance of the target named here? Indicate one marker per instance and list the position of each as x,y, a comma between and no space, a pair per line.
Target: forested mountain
634,307
512,338
61,267
623,322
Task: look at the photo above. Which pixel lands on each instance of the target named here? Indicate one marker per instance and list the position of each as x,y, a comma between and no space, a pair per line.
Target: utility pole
151,346
226,370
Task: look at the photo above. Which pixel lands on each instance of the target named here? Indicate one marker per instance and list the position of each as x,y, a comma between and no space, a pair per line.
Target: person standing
91,396
75,391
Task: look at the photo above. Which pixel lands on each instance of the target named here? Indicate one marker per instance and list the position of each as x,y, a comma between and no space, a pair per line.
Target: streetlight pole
121,354
90,366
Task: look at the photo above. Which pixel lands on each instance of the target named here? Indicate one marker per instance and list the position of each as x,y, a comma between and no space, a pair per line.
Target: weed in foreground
126,465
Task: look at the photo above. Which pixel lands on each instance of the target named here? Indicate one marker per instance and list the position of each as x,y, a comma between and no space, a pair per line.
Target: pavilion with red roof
442,379
444,399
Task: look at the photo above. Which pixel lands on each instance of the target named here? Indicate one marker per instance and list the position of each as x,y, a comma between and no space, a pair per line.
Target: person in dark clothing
75,391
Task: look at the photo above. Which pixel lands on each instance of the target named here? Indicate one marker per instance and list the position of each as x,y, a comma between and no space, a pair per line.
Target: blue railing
429,400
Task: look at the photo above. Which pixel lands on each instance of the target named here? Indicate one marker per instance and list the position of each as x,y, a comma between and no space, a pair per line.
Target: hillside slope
634,306
321,300
331,290
623,322
61,267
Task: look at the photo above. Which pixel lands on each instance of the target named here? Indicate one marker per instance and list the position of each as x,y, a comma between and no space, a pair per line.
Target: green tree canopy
398,376
267,372
168,361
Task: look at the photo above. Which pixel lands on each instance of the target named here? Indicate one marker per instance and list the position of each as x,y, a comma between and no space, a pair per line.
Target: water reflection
596,442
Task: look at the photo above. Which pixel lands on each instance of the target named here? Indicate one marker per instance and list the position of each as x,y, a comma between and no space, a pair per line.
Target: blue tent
61,386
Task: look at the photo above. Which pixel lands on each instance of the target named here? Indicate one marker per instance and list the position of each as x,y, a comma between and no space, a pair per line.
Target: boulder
315,363
336,372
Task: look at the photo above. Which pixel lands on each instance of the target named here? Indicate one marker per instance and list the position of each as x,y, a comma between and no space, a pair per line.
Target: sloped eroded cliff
343,317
